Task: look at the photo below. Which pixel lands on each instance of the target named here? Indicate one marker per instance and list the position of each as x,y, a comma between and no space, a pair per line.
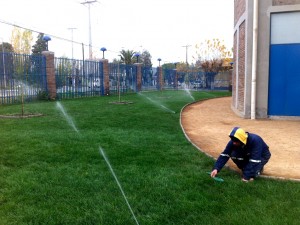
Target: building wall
241,67
263,59
285,2
233,80
239,9
243,42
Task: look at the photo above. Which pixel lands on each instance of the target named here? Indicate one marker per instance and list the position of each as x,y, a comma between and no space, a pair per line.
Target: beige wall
285,2
243,38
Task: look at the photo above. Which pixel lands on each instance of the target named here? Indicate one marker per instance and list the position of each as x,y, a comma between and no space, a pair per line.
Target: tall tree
210,57
27,41
211,54
21,40
127,56
146,58
182,67
16,39
6,47
40,45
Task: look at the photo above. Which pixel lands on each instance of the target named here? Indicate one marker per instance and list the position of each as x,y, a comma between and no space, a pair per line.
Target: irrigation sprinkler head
219,179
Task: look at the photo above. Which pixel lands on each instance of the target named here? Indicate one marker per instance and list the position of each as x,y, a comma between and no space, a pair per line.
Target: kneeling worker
248,151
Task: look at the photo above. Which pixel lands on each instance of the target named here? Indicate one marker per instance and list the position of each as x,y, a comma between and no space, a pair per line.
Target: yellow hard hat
239,134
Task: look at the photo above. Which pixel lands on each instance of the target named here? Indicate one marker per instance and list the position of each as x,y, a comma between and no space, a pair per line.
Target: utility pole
72,28
186,53
90,27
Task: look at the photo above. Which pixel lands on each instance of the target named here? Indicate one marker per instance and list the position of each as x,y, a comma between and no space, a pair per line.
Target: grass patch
50,174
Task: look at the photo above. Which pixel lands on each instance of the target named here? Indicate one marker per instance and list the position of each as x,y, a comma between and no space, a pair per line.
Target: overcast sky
162,27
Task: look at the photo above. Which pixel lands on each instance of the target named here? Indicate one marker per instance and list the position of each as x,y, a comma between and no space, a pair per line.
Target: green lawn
51,174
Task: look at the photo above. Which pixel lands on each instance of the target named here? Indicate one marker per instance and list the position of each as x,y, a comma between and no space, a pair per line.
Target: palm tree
127,56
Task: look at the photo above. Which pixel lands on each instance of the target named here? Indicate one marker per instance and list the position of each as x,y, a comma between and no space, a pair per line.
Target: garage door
284,80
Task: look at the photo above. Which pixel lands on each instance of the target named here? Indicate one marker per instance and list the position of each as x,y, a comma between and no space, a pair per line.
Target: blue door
284,80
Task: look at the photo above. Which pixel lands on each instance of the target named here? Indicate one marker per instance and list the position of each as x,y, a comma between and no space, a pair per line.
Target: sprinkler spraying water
67,117
189,93
158,104
118,183
167,109
70,121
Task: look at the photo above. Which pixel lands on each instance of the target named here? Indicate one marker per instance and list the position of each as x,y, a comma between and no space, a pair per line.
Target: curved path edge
197,119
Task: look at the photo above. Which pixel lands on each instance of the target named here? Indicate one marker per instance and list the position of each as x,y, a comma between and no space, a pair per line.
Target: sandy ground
208,123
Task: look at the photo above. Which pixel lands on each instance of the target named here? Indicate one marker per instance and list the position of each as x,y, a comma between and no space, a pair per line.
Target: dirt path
208,123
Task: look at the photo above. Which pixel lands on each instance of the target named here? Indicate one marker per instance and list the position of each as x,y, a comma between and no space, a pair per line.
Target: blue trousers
241,160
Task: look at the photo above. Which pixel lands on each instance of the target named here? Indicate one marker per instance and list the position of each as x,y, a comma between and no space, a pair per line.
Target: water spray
156,103
68,118
189,93
118,183
164,107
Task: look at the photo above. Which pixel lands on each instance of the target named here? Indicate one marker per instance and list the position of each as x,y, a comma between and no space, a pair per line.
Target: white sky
162,27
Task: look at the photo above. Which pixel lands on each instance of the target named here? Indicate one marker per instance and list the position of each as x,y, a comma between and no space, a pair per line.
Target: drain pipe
254,59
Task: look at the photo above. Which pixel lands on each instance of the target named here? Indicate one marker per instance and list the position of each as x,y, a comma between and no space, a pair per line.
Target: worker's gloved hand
244,180
214,173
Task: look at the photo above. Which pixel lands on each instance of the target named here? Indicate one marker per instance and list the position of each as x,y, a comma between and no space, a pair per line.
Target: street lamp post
159,59
72,28
103,49
186,53
137,57
46,38
90,26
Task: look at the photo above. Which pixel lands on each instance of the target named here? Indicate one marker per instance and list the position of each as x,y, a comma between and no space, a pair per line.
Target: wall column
50,73
105,76
160,78
138,76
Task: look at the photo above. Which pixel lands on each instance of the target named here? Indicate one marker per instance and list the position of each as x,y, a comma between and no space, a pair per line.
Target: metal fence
78,78
196,80
75,78
22,78
122,78
149,78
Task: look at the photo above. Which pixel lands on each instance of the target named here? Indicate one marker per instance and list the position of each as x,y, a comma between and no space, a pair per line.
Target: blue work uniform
250,158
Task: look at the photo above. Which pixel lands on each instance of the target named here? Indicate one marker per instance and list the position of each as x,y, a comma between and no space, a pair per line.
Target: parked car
198,84
95,83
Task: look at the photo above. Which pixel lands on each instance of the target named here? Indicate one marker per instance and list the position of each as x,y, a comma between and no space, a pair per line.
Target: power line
35,31
53,36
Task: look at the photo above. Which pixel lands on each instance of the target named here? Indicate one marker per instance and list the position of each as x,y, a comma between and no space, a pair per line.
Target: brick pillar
105,76
50,73
160,78
138,76
176,79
